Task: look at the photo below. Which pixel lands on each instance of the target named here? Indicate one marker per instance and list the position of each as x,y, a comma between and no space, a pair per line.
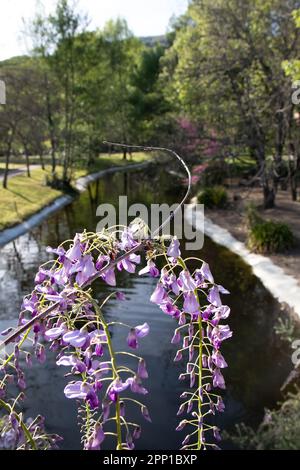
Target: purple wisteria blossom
109,277
158,295
169,282
186,282
174,249
151,269
55,332
96,439
85,268
191,304
77,390
139,331
194,300
129,264
206,273
75,338
127,241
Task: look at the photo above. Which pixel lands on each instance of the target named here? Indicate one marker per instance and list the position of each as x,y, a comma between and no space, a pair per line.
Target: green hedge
270,237
214,197
266,236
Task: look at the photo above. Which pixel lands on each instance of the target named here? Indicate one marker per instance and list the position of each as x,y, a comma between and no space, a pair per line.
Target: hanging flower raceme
193,299
62,314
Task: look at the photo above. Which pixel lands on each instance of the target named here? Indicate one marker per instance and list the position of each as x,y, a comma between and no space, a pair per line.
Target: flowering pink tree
188,137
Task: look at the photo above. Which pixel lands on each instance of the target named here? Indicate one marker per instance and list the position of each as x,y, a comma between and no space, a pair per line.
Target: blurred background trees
217,87
227,73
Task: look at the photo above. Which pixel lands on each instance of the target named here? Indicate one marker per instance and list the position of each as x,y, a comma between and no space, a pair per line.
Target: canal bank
283,287
81,184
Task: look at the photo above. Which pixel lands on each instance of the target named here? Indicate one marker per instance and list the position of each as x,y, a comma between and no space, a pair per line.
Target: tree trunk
42,161
51,125
125,154
269,197
294,169
27,163
294,191
53,158
4,183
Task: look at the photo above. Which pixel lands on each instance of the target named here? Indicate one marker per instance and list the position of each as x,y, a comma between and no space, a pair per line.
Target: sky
144,17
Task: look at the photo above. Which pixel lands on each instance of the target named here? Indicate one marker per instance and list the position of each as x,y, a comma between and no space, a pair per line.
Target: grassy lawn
241,165
12,166
24,196
105,161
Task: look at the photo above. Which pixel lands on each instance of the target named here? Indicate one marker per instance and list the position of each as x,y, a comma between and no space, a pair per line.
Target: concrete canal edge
282,286
81,185
83,182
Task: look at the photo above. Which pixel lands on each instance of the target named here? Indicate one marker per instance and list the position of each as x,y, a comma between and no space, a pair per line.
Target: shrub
252,216
268,236
280,429
55,182
215,197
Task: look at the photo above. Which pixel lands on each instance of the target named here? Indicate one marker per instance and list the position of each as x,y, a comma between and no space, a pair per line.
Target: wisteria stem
114,370
199,375
22,424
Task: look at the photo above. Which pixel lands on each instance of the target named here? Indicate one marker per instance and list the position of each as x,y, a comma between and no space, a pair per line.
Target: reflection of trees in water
258,363
93,191
70,215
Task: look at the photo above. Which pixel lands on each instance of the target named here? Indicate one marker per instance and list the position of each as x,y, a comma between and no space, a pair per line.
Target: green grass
242,164
105,161
12,166
25,196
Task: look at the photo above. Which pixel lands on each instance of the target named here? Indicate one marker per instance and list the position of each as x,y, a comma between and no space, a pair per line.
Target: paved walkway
18,171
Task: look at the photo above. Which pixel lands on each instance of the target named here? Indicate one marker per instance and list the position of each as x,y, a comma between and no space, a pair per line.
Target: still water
258,360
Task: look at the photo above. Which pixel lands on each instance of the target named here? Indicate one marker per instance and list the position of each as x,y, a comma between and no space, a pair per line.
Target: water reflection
258,360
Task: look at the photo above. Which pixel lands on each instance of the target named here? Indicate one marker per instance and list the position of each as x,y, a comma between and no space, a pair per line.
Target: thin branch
52,307
172,152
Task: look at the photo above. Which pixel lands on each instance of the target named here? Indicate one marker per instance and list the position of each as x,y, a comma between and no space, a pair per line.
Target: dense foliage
79,88
225,70
280,429
267,236
214,197
217,87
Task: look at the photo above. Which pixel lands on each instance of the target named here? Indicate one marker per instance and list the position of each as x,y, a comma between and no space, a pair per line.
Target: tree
226,73
292,70
123,50
149,107
55,38
12,115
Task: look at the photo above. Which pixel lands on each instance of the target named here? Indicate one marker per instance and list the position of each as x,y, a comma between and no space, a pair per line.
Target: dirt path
286,211
18,171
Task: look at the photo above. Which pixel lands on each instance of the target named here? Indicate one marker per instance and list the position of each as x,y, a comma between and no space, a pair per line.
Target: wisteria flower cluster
63,315
193,300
